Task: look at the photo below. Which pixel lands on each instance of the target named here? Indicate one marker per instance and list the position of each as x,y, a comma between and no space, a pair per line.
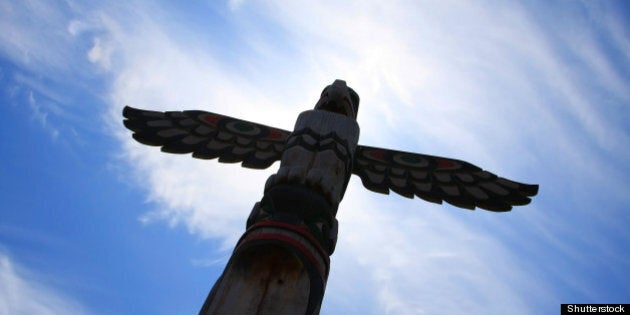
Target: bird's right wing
207,136
438,179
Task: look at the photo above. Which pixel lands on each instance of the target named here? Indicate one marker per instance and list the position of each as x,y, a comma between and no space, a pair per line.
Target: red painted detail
274,134
377,154
292,242
446,164
302,230
211,119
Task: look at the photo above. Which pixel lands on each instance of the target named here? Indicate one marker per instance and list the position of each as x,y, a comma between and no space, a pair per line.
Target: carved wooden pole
280,265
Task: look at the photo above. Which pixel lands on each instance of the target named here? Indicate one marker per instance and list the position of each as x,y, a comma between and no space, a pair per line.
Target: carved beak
339,98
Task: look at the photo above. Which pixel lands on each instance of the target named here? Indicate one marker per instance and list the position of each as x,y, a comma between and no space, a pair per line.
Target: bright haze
93,222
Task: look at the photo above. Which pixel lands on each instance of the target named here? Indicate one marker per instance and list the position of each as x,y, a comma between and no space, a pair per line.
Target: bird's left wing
207,136
438,179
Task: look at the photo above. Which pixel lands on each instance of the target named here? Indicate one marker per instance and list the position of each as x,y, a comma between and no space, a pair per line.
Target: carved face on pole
339,98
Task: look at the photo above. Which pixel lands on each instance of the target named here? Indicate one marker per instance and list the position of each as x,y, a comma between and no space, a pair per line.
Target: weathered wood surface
273,270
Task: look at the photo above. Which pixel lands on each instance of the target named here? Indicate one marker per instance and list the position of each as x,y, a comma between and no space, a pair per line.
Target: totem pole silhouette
280,264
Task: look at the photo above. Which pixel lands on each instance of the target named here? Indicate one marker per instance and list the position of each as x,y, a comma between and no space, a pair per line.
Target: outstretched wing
438,179
207,136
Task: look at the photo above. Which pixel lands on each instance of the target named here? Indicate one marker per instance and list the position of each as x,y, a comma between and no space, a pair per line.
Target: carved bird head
339,98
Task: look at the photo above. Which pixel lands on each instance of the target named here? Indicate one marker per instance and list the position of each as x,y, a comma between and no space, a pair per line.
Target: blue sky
95,223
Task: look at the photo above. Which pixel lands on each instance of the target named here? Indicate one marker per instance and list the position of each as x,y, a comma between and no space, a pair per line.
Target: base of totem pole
276,268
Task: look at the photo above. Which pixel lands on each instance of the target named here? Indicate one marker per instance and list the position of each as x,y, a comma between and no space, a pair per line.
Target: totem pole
280,265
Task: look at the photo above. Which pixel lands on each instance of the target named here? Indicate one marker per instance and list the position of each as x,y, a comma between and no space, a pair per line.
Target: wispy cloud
422,259
22,293
24,41
41,116
49,60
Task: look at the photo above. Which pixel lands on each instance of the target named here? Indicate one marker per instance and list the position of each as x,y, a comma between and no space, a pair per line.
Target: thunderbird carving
317,159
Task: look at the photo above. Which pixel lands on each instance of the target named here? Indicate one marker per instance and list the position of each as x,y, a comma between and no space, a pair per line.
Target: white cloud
21,293
100,53
41,116
422,259
30,38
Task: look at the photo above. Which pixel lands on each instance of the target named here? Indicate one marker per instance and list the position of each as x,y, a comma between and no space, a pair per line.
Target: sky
92,222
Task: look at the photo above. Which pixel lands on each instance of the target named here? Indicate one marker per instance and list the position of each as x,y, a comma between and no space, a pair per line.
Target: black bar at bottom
566,309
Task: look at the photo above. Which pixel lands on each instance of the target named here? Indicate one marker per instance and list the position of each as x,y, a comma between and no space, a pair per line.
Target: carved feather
208,136
438,179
